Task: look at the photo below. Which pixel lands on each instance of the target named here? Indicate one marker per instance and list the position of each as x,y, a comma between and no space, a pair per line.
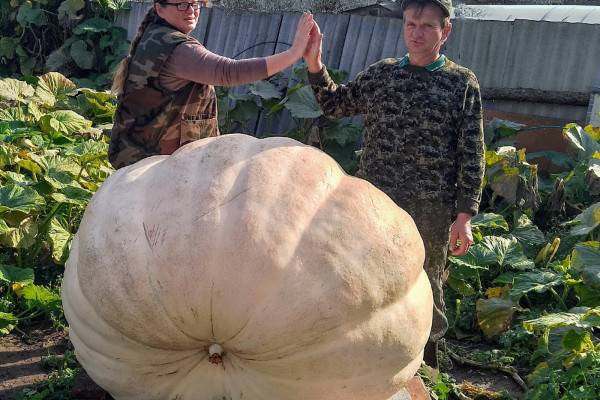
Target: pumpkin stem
215,353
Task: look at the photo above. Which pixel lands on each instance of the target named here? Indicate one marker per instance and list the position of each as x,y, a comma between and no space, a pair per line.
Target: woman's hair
123,67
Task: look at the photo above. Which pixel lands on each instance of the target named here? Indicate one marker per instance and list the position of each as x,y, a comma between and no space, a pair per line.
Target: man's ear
446,31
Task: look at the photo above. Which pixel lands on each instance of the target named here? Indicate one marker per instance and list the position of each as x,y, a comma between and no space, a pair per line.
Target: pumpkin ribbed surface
243,268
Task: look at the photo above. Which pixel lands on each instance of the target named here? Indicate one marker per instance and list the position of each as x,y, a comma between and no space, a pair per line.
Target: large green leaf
585,258
489,222
303,104
265,90
102,105
499,128
11,274
22,236
587,221
342,133
17,198
7,323
93,25
82,55
58,58
478,256
509,252
73,195
30,166
64,121
529,236
580,142
56,86
15,90
494,315
510,176
13,114
60,236
16,178
39,297
28,15
537,281
88,151
69,8
590,319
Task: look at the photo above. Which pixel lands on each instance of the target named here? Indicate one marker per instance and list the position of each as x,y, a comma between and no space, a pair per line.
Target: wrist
463,216
314,67
295,53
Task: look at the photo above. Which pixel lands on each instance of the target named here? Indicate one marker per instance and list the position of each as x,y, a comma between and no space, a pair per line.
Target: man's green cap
445,5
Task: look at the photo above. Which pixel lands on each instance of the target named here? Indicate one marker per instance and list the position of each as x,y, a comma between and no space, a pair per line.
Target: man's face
423,32
182,15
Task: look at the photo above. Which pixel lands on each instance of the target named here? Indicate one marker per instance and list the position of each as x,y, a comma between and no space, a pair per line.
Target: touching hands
312,54
461,236
303,33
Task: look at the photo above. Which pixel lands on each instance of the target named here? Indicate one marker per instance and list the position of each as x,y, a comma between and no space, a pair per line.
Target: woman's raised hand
305,25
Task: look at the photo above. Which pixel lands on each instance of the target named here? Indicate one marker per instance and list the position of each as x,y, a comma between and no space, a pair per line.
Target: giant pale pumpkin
240,268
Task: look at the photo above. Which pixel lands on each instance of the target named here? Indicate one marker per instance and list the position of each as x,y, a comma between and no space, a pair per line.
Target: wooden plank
362,44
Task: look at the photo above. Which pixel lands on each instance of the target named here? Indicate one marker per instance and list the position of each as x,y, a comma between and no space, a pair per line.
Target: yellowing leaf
497,292
16,287
593,131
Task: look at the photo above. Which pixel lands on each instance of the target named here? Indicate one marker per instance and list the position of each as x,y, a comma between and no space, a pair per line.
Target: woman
164,85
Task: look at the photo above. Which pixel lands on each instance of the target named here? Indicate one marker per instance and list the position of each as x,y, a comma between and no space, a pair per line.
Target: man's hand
461,237
312,54
303,34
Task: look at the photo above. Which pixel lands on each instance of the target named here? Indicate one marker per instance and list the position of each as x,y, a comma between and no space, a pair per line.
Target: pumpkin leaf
60,237
56,86
92,25
478,257
342,133
580,142
587,221
73,195
489,222
39,297
22,236
585,258
68,9
529,236
265,90
509,252
590,319
494,315
15,90
28,15
88,151
11,274
17,198
83,57
7,323
538,281
64,121
303,104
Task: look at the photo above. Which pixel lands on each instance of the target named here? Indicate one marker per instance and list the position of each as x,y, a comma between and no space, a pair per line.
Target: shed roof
572,14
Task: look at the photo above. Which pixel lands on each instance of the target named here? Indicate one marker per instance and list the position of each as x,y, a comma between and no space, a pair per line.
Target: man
423,137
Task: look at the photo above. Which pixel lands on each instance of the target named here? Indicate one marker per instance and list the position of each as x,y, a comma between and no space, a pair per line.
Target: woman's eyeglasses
183,6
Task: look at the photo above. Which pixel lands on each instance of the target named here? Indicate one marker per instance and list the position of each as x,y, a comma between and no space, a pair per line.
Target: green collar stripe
434,66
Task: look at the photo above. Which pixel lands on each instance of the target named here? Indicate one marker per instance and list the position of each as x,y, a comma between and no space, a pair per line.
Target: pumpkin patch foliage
529,288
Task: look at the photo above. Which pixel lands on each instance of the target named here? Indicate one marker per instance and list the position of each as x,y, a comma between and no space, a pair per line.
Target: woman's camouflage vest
150,119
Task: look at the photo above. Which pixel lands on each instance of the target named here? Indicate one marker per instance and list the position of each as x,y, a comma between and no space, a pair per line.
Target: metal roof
572,14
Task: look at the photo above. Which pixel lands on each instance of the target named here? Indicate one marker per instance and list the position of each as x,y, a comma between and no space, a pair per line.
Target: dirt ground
20,358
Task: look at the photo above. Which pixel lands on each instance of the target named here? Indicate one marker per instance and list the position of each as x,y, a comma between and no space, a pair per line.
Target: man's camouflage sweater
423,130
